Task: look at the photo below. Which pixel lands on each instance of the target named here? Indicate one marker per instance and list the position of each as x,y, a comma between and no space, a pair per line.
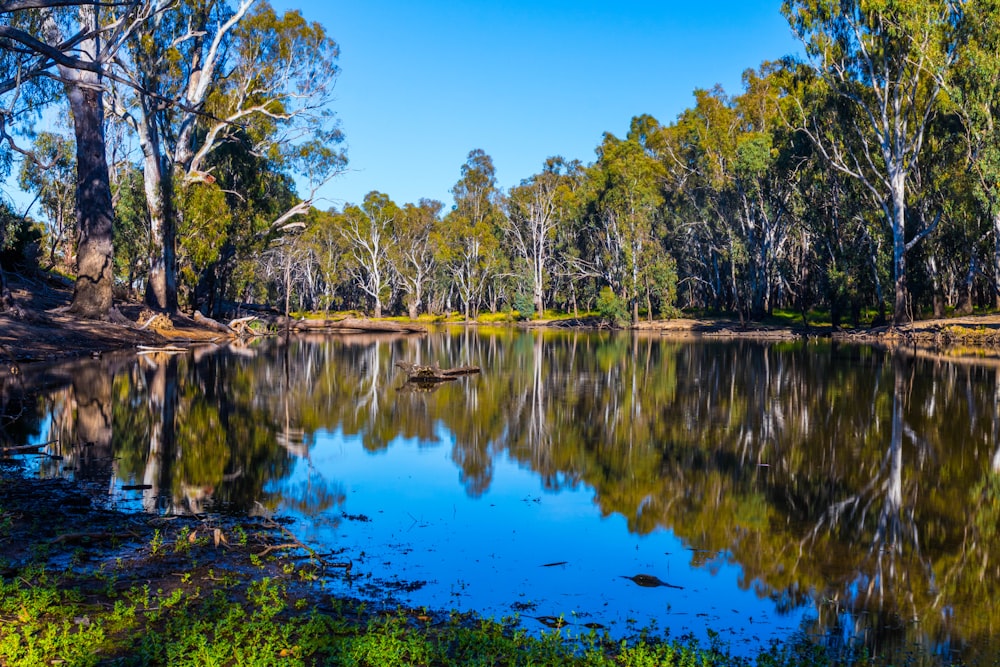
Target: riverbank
45,333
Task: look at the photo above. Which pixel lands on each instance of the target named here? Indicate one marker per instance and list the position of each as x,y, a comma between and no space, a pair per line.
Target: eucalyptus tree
974,86
623,195
889,63
330,249
72,43
414,251
535,209
211,72
693,231
369,231
467,240
52,177
289,264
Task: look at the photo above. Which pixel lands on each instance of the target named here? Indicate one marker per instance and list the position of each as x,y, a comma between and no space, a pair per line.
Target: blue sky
423,83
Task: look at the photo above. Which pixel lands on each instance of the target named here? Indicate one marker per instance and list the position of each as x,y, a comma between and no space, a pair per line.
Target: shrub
612,308
524,305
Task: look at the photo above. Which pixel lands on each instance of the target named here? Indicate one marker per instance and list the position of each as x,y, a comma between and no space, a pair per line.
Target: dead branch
209,323
419,374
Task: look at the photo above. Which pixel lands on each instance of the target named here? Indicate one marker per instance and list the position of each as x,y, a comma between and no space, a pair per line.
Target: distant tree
534,211
370,233
414,253
467,240
974,86
51,175
624,196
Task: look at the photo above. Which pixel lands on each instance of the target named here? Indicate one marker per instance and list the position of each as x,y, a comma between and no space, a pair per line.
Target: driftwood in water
356,325
428,374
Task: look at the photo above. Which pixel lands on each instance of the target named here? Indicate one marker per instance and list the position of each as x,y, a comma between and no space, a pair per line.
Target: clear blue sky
423,83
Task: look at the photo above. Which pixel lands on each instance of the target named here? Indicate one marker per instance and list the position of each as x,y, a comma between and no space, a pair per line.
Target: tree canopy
857,179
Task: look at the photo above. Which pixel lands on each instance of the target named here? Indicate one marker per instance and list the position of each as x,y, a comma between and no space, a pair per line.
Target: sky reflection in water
407,511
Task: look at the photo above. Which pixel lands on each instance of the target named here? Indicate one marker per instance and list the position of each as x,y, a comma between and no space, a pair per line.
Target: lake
614,481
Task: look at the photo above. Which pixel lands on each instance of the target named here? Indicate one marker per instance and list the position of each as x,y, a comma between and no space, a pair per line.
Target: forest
174,149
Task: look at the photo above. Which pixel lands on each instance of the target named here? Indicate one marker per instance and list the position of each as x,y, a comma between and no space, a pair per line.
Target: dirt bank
42,332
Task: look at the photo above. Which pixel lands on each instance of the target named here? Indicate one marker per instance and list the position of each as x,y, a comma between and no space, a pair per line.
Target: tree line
859,177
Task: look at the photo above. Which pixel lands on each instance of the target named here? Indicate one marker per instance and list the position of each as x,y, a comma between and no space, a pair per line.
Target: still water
845,491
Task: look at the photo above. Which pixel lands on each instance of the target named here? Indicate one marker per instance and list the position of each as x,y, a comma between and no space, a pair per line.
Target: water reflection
861,484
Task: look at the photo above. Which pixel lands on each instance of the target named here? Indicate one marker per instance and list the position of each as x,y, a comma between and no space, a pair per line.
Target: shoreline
45,333
53,336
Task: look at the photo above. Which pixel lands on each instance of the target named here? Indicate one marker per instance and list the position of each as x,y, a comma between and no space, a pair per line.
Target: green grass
793,318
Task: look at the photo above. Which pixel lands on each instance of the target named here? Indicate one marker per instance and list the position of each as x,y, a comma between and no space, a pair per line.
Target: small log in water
417,373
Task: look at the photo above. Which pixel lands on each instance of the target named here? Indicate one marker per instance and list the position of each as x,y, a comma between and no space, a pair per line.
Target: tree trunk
92,296
161,284
965,305
937,294
899,315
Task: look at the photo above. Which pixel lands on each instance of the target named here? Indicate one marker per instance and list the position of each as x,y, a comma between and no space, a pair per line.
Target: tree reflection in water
861,482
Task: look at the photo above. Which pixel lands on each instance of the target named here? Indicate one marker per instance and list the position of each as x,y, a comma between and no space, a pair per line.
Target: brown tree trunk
92,296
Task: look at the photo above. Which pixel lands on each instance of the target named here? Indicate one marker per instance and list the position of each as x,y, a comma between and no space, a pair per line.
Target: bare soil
43,332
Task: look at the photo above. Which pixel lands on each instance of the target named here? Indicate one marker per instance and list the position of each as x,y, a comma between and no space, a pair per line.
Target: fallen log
356,325
241,325
419,374
209,323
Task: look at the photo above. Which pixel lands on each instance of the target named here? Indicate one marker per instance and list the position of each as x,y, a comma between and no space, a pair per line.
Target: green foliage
611,308
132,243
205,217
19,239
52,177
524,304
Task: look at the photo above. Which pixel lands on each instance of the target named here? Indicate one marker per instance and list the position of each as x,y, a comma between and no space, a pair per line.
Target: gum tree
72,43
211,73
888,61
535,209
369,231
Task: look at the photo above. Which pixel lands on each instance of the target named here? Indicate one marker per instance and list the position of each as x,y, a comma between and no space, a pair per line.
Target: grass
793,318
